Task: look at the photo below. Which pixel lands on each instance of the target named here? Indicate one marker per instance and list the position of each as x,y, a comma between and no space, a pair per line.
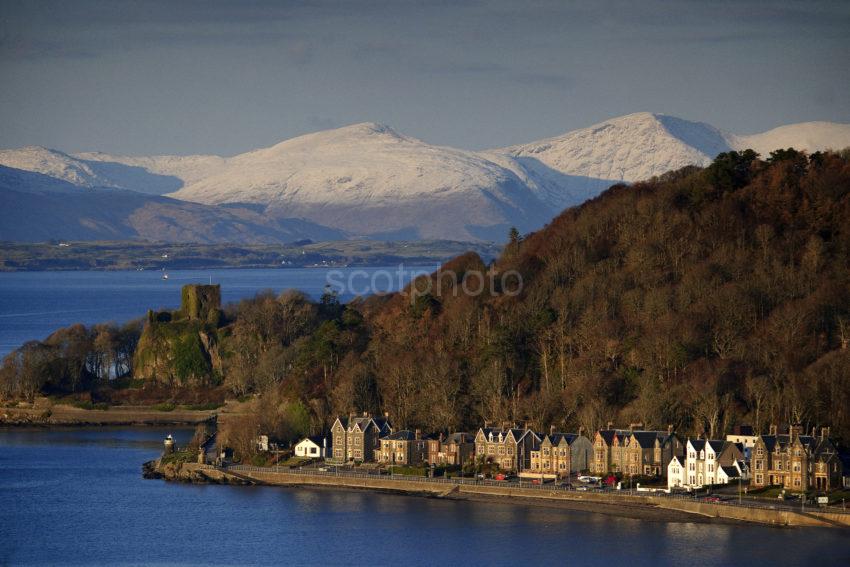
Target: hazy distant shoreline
148,256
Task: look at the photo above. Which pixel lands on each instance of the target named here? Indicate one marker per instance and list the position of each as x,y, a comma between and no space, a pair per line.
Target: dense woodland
702,299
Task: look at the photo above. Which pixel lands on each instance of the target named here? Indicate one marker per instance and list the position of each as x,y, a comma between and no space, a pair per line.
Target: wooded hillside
704,298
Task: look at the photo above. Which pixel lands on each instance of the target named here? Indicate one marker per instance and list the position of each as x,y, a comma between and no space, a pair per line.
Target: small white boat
164,274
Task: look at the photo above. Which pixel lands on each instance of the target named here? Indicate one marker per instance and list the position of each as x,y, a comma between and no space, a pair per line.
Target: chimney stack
580,430
824,433
795,431
417,434
772,429
551,429
610,425
670,429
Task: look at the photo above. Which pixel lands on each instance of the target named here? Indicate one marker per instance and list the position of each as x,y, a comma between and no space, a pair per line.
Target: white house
676,472
315,447
702,462
729,473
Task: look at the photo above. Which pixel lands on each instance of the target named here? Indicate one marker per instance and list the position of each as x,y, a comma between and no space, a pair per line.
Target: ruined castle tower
198,300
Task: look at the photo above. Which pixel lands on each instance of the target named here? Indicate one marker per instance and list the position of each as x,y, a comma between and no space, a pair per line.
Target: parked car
589,479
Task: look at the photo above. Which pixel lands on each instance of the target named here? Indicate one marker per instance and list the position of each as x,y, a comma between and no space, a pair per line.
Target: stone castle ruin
197,301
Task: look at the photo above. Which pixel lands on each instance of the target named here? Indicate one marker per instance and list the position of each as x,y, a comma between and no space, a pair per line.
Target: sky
165,77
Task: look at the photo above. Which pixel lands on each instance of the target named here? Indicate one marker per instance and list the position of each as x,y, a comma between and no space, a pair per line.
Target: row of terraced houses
793,460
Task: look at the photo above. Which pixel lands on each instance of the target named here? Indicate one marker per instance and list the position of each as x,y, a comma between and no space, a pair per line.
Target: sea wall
613,501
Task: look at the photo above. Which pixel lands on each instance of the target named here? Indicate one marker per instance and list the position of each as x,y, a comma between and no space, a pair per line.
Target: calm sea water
76,497
34,304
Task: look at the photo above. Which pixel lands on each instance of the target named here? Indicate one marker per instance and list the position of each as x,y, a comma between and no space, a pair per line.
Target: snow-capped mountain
55,164
570,168
368,180
808,136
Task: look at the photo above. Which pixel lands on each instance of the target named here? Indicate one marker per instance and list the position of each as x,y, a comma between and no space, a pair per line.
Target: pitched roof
731,472
459,437
557,438
716,445
363,422
609,434
315,439
403,435
698,444
647,439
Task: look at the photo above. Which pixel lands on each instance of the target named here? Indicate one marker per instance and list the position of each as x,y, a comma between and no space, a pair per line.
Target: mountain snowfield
368,180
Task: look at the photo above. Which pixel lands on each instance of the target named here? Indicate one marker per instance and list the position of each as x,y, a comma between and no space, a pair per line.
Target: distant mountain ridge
36,208
367,180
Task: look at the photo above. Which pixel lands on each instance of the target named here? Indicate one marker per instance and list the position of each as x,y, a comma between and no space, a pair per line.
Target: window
546,452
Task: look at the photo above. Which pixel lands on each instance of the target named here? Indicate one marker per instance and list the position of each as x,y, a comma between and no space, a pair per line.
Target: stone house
635,452
509,448
456,449
403,448
433,446
560,454
795,461
608,450
649,452
356,439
